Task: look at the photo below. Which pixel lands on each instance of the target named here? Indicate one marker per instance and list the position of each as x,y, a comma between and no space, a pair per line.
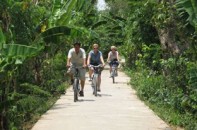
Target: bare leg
82,84
110,69
90,73
99,82
71,77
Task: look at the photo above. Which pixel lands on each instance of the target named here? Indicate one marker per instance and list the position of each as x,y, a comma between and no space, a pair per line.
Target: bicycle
95,81
76,85
114,72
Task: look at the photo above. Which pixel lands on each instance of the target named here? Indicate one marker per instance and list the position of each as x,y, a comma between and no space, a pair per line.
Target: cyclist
113,57
77,57
95,57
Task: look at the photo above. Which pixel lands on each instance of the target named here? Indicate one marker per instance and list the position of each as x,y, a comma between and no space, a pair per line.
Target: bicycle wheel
95,83
75,88
113,75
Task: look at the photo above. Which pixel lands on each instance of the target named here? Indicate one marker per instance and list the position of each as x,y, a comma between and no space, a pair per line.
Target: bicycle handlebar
96,66
78,67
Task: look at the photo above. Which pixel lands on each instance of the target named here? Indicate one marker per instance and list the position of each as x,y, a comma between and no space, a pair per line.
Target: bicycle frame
76,82
114,71
95,80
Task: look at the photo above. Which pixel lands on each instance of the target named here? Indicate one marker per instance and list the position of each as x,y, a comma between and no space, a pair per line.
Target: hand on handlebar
84,66
68,65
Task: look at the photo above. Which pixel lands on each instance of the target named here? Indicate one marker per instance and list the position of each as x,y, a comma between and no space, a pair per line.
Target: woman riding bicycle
95,57
113,58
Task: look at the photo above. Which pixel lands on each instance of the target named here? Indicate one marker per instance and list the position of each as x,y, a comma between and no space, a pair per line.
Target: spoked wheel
95,85
113,75
75,87
113,78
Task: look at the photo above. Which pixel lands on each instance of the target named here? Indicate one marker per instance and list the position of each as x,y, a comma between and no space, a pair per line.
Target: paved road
116,108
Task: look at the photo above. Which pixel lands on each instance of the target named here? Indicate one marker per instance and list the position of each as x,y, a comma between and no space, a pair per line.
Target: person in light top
77,57
113,57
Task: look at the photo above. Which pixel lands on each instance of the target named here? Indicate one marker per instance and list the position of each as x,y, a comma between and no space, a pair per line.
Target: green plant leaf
2,39
66,12
17,50
99,24
52,33
189,6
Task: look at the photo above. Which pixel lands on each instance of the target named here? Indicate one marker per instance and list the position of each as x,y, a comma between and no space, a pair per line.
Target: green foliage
21,45
164,16
51,34
61,88
165,81
189,6
99,24
2,39
168,101
190,102
26,103
64,14
19,51
34,90
149,57
53,71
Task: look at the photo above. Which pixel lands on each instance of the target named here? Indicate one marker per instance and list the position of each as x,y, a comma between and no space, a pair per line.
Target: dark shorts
111,63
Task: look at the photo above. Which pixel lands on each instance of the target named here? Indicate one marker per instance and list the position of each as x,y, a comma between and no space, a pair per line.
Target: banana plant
189,6
11,55
61,12
113,27
64,21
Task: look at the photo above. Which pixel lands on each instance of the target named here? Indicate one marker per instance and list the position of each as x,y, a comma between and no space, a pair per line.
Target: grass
43,109
177,119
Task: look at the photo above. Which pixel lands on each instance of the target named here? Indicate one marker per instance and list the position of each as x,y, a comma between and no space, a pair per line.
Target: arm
68,62
69,58
108,58
88,60
84,62
117,56
84,58
102,60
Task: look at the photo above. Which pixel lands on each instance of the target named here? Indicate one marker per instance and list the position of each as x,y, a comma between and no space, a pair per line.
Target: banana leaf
80,4
51,34
99,24
19,51
2,39
66,12
189,6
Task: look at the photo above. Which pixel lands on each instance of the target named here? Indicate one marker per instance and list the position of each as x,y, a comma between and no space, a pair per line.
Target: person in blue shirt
95,57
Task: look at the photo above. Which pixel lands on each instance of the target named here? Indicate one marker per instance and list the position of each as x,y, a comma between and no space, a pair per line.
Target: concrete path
116,108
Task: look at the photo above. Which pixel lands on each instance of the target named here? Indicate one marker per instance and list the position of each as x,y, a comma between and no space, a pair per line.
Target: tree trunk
3,119
167,40
37,73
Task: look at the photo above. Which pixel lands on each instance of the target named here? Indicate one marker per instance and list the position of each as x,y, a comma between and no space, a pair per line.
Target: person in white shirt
113,57
77,57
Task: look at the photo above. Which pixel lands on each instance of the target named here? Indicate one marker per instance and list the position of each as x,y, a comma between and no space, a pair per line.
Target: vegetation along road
158,39
117,107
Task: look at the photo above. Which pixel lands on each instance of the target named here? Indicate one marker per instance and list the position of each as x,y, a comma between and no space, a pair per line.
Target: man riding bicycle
95,57
77,57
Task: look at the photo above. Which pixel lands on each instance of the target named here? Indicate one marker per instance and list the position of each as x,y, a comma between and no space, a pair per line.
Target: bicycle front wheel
75,88
113,75
95,83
